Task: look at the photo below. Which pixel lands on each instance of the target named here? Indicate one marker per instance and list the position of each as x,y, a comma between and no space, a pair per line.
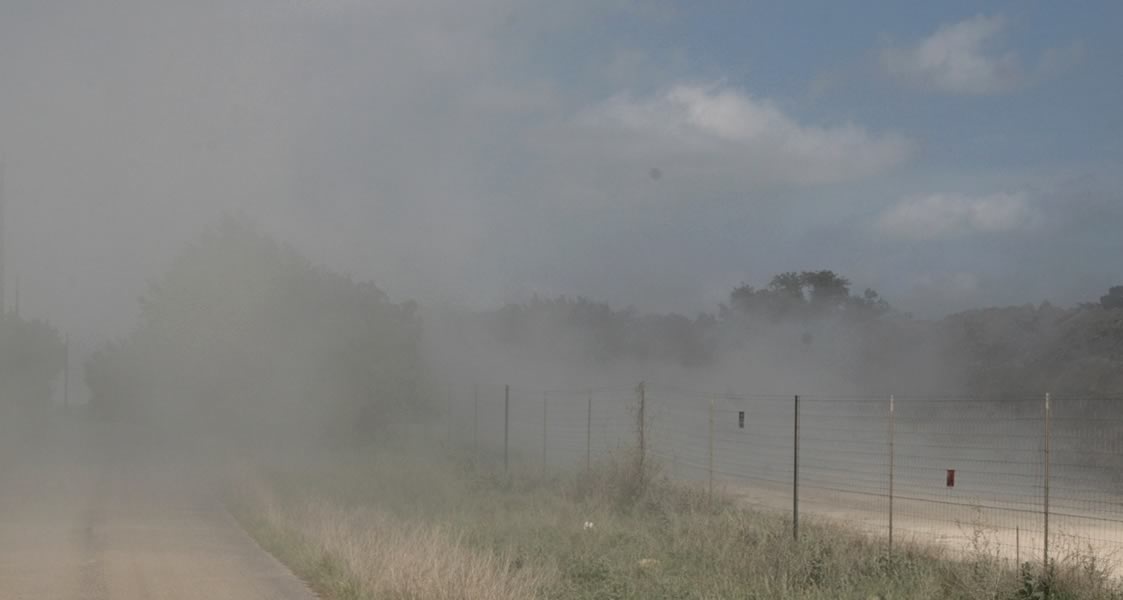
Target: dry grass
391,525
360,553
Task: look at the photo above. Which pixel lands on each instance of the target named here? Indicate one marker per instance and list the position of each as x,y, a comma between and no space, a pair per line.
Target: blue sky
1016,115
950,154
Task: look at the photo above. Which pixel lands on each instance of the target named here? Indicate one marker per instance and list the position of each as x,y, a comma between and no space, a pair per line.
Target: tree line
605,333
242,333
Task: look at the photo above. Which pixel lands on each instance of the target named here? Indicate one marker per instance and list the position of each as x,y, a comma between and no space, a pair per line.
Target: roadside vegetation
390,524
244,345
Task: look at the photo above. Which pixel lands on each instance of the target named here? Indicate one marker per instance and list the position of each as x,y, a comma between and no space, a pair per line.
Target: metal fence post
795,473
589,434
1018,547
507,429
66,374
892,464
476,421
640,427
448,414
711,456
545,403
1048,424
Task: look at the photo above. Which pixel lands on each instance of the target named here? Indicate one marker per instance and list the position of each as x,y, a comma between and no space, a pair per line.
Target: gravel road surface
92,524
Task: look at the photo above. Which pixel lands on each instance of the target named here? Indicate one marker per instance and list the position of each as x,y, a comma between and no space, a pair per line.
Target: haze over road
115,522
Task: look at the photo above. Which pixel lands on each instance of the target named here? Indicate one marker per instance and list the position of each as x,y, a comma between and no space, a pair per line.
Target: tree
244,334
32,355
597,333
1113,299
805,294
870,304
827,290
789,284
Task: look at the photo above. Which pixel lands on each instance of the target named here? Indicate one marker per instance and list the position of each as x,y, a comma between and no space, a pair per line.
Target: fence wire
1025,479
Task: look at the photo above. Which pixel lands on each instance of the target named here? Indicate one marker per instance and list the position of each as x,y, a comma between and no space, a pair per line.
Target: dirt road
92,526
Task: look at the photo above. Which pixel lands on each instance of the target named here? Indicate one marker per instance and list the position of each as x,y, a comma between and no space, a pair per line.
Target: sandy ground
87,524
960,530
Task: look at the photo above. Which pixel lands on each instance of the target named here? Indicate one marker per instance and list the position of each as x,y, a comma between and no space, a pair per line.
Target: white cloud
941,216
962,58
717,129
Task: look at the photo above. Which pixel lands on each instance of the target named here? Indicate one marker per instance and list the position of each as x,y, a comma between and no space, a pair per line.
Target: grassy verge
391,525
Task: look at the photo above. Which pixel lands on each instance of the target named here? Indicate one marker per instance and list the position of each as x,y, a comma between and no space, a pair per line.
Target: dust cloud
255,228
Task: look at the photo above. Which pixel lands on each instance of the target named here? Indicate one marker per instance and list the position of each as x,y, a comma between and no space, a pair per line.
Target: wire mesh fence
1026,479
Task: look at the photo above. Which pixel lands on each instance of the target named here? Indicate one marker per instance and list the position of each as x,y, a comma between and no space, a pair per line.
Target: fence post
507,429
65,374
476,421
711,457
795,474
545,402
641,427
1048,424
589,435
1018,548
448,414
892,464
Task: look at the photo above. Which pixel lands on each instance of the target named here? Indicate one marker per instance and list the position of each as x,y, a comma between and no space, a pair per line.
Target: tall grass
354,553
392,525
